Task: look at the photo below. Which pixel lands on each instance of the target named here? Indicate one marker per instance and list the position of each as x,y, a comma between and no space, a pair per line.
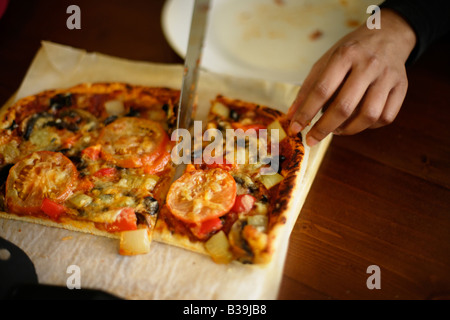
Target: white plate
265,39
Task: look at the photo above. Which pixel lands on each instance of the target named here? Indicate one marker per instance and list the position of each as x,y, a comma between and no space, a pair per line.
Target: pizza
98,158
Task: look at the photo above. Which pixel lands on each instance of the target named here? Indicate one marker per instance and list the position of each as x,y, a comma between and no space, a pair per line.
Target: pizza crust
68,224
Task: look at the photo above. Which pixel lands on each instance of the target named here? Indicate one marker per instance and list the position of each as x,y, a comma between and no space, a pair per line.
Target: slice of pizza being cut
232,201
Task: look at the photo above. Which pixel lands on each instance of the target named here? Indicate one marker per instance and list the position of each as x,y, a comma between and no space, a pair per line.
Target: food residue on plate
352,23
315,35
279,2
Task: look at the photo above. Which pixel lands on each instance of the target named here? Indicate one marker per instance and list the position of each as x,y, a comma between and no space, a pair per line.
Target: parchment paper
166,272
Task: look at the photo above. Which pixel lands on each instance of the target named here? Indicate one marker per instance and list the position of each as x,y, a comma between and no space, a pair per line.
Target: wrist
396,26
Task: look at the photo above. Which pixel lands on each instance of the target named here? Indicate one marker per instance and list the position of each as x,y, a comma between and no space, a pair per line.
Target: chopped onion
276,125
220,109
270,180
261,208
80,200
258,220
157,115
114,107
134,242
219,248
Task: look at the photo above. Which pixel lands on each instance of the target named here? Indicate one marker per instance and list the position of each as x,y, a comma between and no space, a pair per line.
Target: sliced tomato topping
125,221
201,195
132,142
92,152
85,185
218,162
244,203
205,228
106,172
70,141
52,209
41,175
159,164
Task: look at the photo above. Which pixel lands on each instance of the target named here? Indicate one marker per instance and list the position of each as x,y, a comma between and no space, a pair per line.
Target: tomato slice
106,172
92,152
125,221
159,164
52,209
41,175
132,142
201,195
218,162
205,228
244,203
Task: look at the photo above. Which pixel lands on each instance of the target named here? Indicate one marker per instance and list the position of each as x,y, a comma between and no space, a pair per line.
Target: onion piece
270,180
134,242
114,107
219,248
220,109
258,220
80,200
276,125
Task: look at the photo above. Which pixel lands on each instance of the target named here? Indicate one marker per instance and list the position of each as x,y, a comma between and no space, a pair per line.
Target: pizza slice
231,202
92,158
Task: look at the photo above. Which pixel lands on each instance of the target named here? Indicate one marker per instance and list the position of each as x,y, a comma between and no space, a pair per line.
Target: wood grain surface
380,198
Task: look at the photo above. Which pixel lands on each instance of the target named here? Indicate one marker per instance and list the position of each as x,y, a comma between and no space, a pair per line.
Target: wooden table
380,198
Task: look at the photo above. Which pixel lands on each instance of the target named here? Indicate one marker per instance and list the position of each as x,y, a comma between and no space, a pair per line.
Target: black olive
133,113
71,113
64,151
281,159
165,107
31,123
239,180
75,159
234,115
151,205
110,120
71,127
13,126
264,199
142,219
253,188
60,100
4,172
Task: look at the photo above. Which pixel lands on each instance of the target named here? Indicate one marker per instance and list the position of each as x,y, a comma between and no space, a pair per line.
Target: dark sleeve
430,19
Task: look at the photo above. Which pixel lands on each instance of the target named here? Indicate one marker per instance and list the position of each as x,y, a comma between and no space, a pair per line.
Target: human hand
361,79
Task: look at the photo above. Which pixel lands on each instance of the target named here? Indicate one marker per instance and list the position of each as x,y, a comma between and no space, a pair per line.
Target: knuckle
403,83
386,119
349,49
321,90
370,115
344,108
302,118
373,62
319,133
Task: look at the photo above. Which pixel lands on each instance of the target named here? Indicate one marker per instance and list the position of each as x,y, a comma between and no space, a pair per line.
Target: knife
191,69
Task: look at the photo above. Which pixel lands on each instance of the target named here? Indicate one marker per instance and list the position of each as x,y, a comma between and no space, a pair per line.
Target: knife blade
191,69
